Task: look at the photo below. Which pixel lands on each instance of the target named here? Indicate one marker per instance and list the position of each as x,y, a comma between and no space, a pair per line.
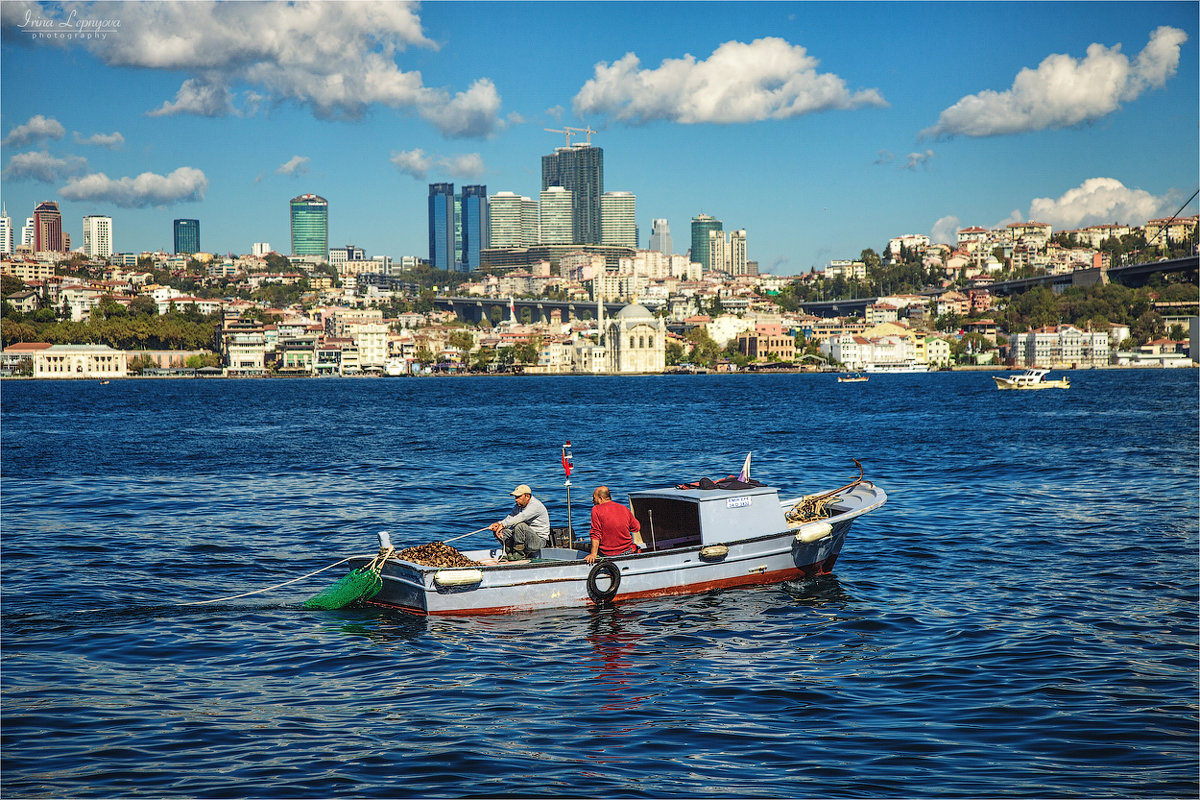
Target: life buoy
614,576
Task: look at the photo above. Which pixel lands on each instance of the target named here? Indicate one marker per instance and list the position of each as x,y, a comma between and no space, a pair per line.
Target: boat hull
561,578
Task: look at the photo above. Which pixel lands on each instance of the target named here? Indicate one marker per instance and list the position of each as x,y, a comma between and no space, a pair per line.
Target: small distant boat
1031,379
104,382
857,377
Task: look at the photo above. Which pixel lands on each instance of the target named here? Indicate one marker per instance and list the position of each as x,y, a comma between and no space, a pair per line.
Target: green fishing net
361,584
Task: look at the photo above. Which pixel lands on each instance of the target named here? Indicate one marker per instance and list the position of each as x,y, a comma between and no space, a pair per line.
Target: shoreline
739,373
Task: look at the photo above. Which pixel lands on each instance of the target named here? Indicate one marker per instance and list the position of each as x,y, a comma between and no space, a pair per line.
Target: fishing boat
1034,378
698,537
857,377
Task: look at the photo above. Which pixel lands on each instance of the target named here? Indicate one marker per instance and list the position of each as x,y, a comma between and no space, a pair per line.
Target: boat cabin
697,517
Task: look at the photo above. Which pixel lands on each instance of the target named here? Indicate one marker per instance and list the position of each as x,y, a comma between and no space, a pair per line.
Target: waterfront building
79,361
660,237
556,215
187,236
618,219
441,225
768,341
702,224
635,340
97,236
579,169
473,224
47,228
309,214
1060,346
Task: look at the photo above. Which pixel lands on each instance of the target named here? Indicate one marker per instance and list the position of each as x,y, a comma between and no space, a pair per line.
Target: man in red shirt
613,527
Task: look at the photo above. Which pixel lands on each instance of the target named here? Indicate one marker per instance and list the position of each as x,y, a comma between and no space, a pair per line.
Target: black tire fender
614,574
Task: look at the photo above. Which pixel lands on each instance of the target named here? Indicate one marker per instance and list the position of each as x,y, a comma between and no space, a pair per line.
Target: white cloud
470,114
916,160
413,162
199,98
337,58
38,127
467,165
185,184
1097,201
41,166
113,141
945,231
419,164
765,79
1063,92
296,165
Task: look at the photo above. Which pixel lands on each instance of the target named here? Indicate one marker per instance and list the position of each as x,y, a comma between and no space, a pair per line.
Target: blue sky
820,128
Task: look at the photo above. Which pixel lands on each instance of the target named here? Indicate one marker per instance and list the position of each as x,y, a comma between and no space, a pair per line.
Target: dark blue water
1020,620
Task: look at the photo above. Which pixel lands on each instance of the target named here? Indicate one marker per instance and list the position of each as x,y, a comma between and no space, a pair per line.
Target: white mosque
635,340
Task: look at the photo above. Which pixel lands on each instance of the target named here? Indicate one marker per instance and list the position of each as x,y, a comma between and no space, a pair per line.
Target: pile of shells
436,554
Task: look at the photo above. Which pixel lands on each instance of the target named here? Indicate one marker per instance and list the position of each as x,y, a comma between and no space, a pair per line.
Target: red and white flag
567,460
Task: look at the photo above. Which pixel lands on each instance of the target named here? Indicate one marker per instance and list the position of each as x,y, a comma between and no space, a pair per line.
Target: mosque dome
634,311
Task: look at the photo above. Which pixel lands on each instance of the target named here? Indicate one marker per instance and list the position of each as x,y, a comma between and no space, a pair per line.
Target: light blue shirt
534,514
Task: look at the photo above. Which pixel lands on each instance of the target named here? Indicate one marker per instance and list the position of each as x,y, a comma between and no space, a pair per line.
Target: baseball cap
520,490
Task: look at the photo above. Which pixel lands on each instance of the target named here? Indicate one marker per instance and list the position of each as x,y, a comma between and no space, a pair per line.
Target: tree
705,351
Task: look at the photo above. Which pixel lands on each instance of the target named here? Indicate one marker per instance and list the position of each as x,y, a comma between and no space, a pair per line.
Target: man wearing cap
526,530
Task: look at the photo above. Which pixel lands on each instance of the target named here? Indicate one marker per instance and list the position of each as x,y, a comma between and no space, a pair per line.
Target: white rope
269,588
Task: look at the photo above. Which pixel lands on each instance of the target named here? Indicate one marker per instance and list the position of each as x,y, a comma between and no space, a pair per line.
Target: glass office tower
473,208
441,225
310,225
580,170
701,225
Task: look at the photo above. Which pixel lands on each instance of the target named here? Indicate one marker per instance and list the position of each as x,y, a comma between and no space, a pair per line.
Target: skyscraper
557,216
97,236
187,236
660,237
310,225
618,219
47,228
512,220
6,232
579,169
441,225
474,225
701,225
737,253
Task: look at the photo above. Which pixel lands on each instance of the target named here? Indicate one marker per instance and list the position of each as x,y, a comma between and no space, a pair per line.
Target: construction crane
570,131
567,132
588,130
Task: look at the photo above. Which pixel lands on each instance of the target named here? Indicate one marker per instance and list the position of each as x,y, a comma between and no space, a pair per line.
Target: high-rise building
310,225
557,216
512,221
260,249
441,226
660,237
187,236
27,235
97,236
6,232
473,214
579,169
701,225
47,228
618,219
737,253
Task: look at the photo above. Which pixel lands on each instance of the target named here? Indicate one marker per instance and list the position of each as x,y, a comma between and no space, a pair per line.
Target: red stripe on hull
753,579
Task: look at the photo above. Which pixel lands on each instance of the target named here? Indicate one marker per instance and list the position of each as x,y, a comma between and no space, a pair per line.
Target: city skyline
819,137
